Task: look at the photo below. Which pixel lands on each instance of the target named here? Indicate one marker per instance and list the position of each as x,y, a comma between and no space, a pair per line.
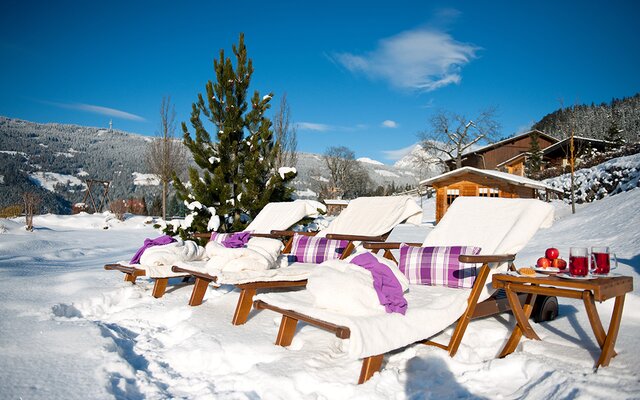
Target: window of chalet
488,192
452,194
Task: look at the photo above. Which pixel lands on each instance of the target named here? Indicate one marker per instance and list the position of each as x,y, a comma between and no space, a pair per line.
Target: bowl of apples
551,262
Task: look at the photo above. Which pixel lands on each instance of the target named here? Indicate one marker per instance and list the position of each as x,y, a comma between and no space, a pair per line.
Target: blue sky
367,75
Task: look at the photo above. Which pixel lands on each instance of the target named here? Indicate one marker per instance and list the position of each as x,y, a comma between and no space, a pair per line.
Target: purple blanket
164,239
236,240
386,285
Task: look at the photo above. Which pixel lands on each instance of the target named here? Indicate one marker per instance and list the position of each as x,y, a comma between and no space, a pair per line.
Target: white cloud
389,124
420,59
399,153
111,112
312,126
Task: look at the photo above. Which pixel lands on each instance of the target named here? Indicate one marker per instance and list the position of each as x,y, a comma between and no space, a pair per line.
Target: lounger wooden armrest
291,233
207,235
387,245
197,274
357,238
487,259
342,332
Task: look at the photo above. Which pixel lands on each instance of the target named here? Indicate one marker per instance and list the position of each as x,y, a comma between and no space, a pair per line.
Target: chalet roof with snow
492,146
510,178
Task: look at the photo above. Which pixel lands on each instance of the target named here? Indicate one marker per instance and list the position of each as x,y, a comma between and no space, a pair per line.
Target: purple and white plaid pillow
311,249
438,266
219,237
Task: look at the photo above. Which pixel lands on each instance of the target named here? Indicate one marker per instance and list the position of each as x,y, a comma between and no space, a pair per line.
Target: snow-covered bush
609,178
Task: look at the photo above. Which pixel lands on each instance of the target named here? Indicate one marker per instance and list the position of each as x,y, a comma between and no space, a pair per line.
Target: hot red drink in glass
578,266
601,260
602,263
578,261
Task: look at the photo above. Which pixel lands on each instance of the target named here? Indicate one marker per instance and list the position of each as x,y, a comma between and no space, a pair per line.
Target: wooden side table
589,291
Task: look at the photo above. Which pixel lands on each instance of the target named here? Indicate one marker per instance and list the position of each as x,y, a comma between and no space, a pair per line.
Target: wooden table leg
522,314
612,333
594,319
244,306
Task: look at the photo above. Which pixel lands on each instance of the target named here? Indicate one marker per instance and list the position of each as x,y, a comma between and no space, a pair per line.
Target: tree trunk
164,200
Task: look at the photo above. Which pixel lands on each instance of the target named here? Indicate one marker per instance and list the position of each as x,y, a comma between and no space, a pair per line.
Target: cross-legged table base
589,291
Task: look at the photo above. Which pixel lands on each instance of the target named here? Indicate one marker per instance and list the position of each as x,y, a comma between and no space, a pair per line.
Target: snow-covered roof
578,138
500,143
514,179
505,162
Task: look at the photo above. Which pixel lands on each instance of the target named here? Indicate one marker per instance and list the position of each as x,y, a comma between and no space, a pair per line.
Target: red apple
552,253
543,262
559,263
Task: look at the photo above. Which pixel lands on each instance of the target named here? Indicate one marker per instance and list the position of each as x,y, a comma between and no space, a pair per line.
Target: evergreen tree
238,173
614,134
534,160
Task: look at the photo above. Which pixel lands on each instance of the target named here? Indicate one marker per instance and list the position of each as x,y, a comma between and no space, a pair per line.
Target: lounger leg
130,278
244,306
370,366
199,289
286,332
159,287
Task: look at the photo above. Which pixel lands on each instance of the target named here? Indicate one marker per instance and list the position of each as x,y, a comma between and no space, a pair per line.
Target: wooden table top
603,288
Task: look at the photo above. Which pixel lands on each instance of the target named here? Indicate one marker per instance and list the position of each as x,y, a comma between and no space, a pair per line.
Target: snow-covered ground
70,330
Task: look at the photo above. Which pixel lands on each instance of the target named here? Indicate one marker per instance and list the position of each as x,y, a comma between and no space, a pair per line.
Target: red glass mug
601,260
579,261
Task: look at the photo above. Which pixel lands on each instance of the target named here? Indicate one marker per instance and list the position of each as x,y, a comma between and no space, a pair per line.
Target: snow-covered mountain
369,161
424,164
313,172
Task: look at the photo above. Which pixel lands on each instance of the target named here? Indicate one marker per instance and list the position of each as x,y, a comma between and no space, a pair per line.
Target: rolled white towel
260,254
348,288
173,253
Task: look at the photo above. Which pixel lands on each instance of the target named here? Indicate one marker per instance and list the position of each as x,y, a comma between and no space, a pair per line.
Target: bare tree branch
286,136
166,154
451,135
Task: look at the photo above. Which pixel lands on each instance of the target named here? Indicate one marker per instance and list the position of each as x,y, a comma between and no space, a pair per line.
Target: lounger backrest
282,215
496,225
374,216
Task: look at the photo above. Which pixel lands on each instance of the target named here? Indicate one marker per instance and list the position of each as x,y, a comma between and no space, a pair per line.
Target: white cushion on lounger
283,215
374,216
430,310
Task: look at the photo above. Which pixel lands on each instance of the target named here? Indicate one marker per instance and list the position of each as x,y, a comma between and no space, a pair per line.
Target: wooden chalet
470,181
555,155
490,156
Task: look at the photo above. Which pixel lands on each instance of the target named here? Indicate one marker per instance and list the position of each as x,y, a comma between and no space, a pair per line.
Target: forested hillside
54,159
595,120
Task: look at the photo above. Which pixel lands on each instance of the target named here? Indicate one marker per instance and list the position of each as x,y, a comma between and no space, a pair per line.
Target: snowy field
70,330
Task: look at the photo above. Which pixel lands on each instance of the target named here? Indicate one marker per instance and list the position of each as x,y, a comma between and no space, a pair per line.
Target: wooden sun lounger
248,290
493,305
131,273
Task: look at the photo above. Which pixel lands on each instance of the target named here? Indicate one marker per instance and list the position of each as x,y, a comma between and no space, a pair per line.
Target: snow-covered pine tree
534,159
238,173
614,133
